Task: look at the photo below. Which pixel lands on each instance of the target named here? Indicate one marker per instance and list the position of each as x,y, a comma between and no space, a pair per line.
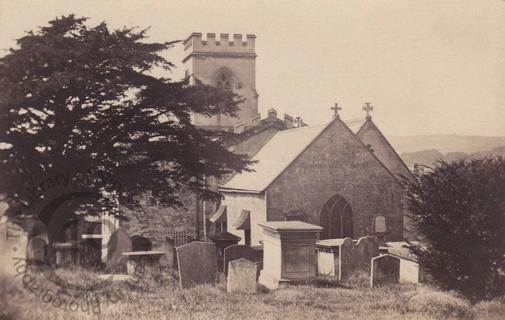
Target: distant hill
445,143
428,157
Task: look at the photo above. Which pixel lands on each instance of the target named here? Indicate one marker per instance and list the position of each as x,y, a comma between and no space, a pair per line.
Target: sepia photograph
240,159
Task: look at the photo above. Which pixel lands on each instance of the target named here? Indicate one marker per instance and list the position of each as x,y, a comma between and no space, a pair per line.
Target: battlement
224,43
288,122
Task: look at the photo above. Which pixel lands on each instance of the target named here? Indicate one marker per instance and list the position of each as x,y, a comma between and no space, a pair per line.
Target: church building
347,182
324,175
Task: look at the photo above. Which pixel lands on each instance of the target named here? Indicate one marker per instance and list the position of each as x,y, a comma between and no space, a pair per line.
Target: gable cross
298,122
368,107
336,109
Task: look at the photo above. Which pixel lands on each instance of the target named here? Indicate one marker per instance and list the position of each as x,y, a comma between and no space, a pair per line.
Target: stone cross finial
335,109
368,107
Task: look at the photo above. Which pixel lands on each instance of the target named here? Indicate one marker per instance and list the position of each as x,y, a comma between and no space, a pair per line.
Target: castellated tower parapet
227,61
226,43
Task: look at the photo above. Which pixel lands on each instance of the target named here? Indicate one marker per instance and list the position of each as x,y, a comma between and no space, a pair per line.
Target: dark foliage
76,97
458,210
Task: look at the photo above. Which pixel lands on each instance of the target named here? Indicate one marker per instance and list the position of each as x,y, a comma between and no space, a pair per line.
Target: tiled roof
274,158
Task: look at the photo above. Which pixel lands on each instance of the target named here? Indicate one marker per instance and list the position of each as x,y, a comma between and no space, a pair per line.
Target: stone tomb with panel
289,252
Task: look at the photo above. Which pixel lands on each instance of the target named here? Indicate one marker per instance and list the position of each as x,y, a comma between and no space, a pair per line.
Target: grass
161,298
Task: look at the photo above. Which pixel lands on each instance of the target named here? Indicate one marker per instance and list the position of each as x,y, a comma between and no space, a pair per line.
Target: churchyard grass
161,298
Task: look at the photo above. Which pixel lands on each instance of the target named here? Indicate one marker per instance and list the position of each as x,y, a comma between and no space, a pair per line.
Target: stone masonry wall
338,163
154,220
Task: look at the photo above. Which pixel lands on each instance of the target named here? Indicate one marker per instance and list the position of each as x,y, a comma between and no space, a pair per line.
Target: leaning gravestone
197,263
241,276
119,242
385,270
238,251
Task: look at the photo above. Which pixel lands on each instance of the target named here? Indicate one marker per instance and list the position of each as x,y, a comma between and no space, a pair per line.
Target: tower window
224,82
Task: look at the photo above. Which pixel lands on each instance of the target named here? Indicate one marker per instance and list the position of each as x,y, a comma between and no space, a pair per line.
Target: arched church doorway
336,218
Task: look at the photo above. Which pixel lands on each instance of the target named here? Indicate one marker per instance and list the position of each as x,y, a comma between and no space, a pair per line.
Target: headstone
365,249
223,240
140,243
238,251
409,271
119,242
13,245
241,276
66,254
346,259
197,263
90,250
289,252
343,258
385,270
168,247
36,251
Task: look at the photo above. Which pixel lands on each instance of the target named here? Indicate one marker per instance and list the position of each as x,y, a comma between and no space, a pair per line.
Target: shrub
441,305
458,210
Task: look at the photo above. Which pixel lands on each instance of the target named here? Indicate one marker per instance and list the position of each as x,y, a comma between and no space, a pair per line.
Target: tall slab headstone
409,271
385,270
119,242
13,248
197,263
239,251
241,276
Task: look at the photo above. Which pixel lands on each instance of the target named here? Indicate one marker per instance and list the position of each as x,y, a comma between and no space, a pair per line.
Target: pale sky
428,67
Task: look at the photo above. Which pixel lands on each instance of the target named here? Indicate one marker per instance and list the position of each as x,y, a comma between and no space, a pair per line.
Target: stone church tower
229,63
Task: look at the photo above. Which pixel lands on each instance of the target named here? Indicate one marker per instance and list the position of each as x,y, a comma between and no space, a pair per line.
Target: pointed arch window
225,81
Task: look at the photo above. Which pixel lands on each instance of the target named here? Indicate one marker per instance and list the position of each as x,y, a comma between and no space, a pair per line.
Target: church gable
380,146
337,165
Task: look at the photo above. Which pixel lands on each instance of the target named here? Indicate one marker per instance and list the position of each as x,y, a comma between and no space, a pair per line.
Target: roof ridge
301,128
382,137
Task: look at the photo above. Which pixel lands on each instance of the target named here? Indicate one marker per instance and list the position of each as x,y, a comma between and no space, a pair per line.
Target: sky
428,67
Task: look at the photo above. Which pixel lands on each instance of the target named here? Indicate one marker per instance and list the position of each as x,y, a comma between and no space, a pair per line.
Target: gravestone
119,242
67,254
36,251
223,240
241,276
168,247
140,243
90,250
343,258
238,251
346,259
13,247
197,263
385,270
365,249
409,271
